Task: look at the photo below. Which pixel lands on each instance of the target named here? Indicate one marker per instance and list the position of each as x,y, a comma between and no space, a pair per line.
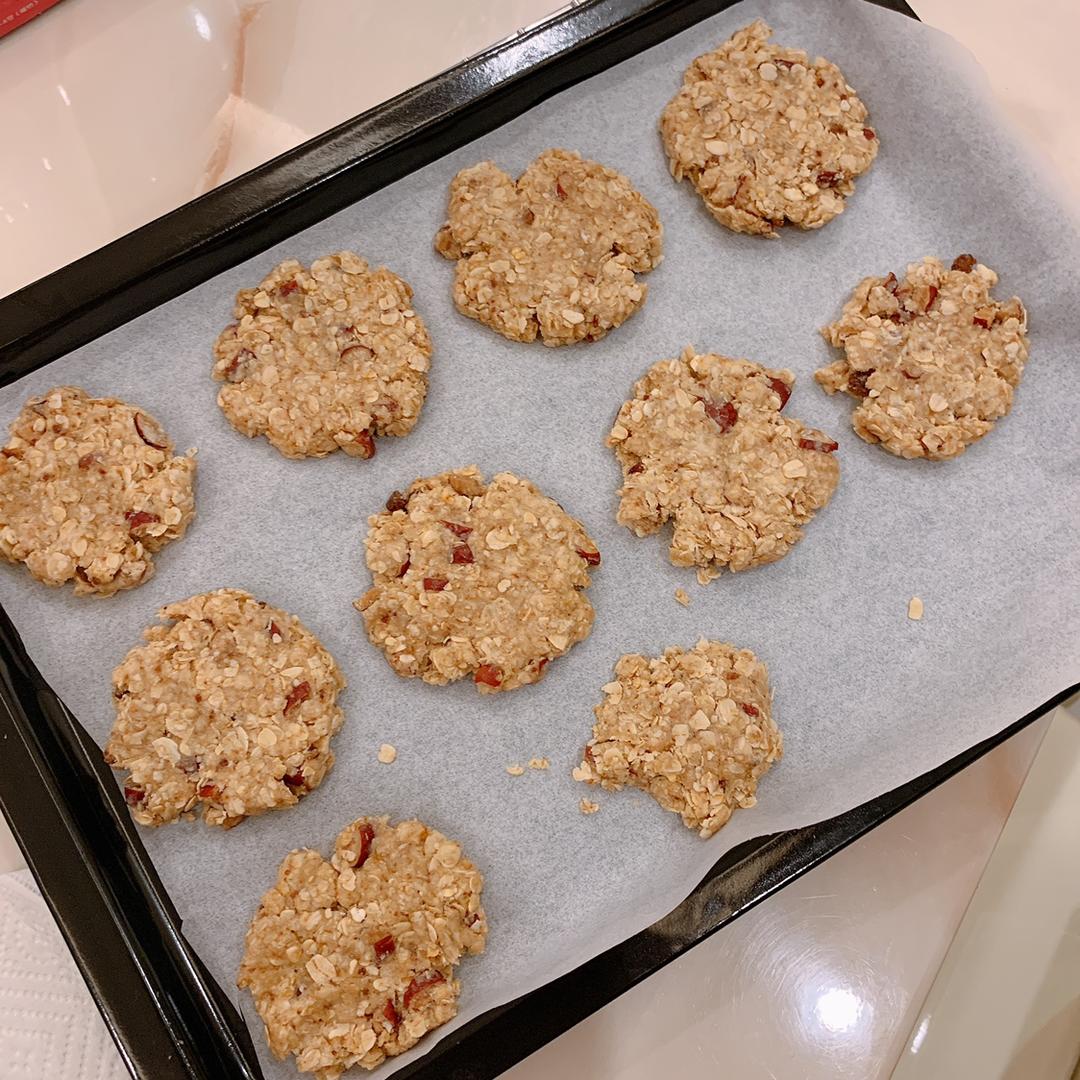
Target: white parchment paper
866,698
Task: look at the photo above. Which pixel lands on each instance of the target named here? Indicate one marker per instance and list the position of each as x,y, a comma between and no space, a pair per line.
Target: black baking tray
168,1017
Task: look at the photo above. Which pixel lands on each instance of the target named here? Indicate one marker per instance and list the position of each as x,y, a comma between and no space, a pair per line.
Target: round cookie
553,254
324,359
933,360
694,729
231,706
702,443
766,135
476,578
89,490
352,961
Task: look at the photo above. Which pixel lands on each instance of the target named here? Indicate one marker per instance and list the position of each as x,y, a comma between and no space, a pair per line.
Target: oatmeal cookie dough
553,254
90,490
766,135
230,706
325,358
694,729
476,578
352,961
933,360
702,443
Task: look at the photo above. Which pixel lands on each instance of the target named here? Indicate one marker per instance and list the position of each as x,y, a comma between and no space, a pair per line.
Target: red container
13,13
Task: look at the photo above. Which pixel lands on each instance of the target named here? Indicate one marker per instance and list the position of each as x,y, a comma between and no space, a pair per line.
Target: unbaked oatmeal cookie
479,578
352,961
553,254
89,490
231,707
933,360
766,135
324,359
692,728
702,443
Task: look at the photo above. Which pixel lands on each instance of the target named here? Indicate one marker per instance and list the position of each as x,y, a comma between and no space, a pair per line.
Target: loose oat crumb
387,754
515,770
538,763
683,597
589,807
705,575
915,608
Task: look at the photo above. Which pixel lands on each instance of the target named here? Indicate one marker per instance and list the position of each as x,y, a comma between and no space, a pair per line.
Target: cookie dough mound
476,578
324,359
231,706
766,135
553,254
693,729
89,490
352,961
933,360
702,442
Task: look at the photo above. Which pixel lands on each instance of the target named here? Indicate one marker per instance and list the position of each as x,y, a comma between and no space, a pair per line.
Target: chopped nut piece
387,754
915,608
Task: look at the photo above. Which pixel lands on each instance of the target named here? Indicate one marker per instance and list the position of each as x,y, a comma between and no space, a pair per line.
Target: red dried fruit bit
398,501
964,263
424,981
780,388
868,133
541,664
591,557
838,129
818,444
236,371
133,794
384,947
273,629
789,64
404,568
150,431
827,179
366,444
562,182
88,460
286,288
981,322
857,382
207,791
461,555
890,283
489,675
137,518
435,584
819,81
294,778
723,414
456,529
529,217
367,838
635,469
933,291
391,1014
750,710
300,692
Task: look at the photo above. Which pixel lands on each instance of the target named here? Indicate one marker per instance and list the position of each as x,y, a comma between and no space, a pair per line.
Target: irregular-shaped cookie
553,254
477,578
766,135
933,360
324,359
694,729
89,490
231,706
352,961
702,443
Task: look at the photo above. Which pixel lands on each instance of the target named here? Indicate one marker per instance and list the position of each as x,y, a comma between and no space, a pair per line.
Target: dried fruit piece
638,467
366,445
979,321
868,133
404,568
274,631
298,694
151,432
294,779
89,460
488,675
391,1014
398,501
828,179
780,388
287,288
424,981
133,794
366,834
435,584
750,710
237,370
723,414
591,557
826,446
932,294
964,263
207,791
136,519
457,529
384,947
461,555
857,382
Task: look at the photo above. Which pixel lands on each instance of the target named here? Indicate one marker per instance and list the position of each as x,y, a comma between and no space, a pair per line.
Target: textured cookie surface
230,706
553,254
702,443
324,359
766,135
694,729
351,960
933,360
479,578
89,490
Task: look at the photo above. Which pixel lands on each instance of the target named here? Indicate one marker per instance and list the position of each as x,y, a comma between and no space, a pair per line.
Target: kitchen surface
945,943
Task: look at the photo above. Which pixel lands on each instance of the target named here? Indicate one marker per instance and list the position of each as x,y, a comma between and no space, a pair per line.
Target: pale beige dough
702,443
476,578
766,135
351,960
553,254
89,490
692,728
325,358
230,705
933,360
